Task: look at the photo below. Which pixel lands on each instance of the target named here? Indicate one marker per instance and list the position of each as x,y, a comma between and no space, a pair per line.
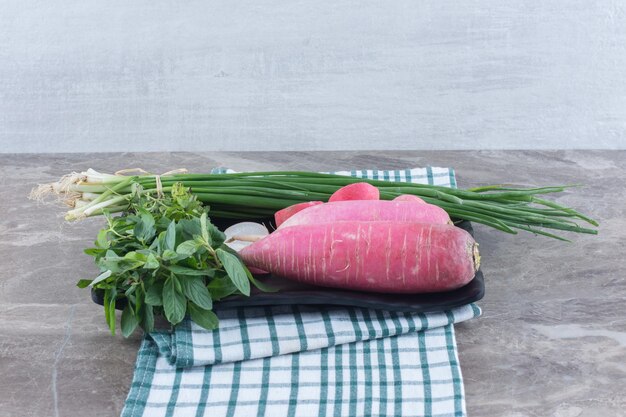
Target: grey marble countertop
551,342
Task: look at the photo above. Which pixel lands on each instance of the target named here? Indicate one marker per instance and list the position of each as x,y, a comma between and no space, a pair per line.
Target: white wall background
205,75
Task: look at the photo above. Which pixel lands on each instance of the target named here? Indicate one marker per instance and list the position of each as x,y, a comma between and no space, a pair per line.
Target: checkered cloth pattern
307,360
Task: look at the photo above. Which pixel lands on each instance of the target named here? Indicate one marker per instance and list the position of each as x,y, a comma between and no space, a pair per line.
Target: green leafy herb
173,300
235,270
202,317
163,256
129,321
195,290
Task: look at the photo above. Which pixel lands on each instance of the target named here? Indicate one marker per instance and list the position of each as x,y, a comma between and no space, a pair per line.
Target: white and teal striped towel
305,360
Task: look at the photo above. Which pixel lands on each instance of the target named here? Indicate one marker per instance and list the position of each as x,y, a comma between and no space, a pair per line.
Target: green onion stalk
256,195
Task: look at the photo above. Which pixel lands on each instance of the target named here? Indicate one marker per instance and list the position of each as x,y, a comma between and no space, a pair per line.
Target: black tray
293,293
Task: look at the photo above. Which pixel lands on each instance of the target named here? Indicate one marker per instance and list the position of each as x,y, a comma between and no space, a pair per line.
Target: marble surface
551,342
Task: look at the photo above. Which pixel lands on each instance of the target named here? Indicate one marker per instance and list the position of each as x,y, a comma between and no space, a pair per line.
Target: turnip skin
356,191
409,197
282,215
387,257
371,210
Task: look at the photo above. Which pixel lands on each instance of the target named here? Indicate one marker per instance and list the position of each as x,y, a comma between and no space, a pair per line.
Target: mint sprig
164,257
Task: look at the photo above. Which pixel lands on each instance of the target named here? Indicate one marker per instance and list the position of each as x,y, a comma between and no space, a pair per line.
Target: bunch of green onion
256,195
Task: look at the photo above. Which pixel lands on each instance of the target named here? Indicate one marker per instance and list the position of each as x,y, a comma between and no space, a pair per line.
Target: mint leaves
164,257
235,270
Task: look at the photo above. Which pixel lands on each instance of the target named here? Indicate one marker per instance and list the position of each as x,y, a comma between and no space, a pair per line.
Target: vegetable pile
163,256
255,195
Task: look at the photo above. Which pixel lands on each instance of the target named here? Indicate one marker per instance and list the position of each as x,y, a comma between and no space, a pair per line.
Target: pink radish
392,257
356,191
409,197
281,215
378,210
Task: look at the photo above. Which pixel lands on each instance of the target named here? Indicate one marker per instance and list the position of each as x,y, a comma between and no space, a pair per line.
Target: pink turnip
378,256
373,210
356,191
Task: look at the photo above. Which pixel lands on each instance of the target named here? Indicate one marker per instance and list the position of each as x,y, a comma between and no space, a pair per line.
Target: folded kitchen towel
307,360
303,361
